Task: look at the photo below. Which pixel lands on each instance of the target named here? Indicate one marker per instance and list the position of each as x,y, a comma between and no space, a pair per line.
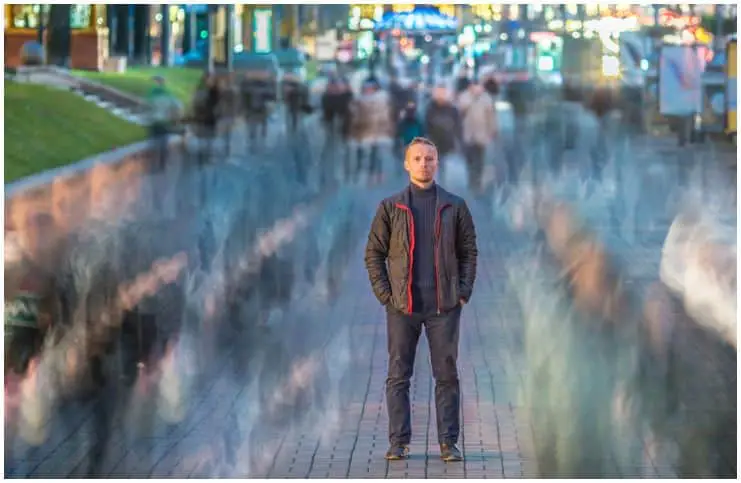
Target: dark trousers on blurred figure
374,161
442,335
474,154
158,133
600,152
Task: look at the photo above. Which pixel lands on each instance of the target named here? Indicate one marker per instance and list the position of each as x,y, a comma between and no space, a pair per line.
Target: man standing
421,261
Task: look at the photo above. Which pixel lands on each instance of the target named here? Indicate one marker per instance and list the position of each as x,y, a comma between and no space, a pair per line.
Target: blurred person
433,228
255,101
491,86
336,101
295,99
164,112
401,95
409,126
520,94
33,307
206,108
371,127
479,121
443,125
462,83
600,102
31,294
229,107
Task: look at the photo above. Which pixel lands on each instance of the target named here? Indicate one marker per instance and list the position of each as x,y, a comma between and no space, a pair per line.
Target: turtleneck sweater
424,293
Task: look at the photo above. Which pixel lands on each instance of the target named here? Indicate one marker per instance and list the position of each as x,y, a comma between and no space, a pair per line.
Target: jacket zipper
438,223
411,254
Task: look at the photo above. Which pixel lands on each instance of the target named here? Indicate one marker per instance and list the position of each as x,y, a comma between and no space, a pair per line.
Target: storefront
166,23
88,42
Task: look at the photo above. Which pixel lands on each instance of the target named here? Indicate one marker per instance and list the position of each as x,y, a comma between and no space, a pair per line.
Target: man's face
421,163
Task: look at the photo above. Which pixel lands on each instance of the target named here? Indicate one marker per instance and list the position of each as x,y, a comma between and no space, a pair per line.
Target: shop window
514,12
28,16
402,7
447,9
79,16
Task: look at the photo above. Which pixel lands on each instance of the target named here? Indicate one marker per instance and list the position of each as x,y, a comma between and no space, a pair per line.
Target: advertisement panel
680,81
262,30
731,87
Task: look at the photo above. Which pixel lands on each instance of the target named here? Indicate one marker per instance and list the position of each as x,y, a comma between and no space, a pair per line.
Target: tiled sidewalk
492,439
350,439
494,442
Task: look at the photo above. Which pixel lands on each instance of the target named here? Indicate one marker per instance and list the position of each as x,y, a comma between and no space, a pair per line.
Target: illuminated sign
262,29
366,16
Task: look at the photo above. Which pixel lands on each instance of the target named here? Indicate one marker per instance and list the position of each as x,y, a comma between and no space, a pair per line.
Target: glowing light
610,66
545,63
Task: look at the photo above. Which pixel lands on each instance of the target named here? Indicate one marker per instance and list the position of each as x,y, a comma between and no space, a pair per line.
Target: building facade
85,36
79,30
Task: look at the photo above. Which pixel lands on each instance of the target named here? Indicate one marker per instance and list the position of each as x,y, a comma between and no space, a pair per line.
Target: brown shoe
450,453
397,452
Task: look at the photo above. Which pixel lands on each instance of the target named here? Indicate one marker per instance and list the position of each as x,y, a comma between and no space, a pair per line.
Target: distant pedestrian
164,112
479,119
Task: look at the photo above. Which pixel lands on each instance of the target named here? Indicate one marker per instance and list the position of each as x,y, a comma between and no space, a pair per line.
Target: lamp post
211,28
165,37
718,27
229,38
41,25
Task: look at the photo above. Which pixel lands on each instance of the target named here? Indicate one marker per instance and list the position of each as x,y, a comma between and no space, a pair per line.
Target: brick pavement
348,437
495,442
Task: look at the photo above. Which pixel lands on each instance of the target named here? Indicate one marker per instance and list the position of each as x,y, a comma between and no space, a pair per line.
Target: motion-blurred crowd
49,292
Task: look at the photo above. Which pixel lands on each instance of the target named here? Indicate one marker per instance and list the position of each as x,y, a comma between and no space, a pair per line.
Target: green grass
137,81
312,67
46,128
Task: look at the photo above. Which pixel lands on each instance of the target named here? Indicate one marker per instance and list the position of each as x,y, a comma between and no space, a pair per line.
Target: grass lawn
312,67
137,81
46,128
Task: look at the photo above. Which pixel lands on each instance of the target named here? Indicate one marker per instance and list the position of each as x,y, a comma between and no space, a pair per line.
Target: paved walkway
353,439
330,419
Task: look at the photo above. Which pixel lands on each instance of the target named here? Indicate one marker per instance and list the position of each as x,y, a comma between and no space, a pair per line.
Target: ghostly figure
699,266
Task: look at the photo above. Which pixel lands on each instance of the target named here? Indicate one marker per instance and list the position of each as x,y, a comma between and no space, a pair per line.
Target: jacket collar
442,197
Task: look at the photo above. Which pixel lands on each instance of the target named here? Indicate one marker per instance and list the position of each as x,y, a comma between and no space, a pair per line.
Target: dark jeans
475,160
442,334
159,134
374,160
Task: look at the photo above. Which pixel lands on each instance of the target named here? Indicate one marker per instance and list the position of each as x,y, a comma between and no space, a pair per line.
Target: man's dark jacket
391,239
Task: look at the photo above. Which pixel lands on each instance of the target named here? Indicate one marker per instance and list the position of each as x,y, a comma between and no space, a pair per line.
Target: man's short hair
419,140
